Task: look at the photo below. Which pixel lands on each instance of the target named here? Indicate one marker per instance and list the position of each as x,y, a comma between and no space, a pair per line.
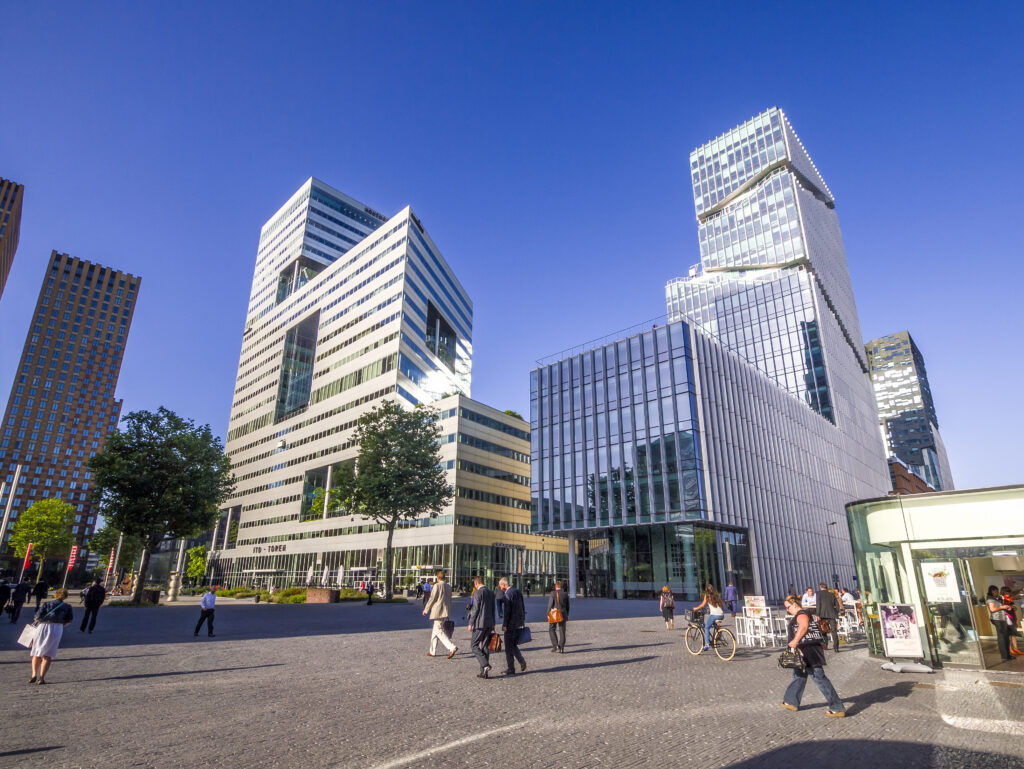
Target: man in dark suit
19,595
828,608
481,624
512,627
556,630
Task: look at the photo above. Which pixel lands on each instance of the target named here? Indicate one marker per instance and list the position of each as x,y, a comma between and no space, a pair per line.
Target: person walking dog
206,609
50,620
558,615
439,607
481,624
806,637
94,597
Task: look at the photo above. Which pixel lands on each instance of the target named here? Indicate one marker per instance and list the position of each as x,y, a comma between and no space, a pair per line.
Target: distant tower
62,406
906,411
10,226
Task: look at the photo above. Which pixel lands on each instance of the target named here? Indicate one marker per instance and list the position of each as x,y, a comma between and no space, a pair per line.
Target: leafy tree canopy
196,568
159,476
512,413
47,525
105,540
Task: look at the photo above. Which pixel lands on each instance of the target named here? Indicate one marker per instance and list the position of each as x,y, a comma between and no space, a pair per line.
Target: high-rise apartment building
906,410
348,309
11,195
725,445
62,405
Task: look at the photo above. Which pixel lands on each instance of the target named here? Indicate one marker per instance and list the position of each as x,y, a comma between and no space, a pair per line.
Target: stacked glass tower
906,410
750,415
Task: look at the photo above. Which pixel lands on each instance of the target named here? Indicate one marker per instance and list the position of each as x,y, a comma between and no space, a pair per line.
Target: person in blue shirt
206,606
732,598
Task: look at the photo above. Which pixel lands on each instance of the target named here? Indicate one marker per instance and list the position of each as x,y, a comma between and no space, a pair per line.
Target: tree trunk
140,580
389,566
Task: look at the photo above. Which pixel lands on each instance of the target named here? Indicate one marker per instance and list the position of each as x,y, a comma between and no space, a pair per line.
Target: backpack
670,601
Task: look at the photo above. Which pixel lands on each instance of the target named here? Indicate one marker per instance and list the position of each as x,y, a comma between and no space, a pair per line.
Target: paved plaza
351,686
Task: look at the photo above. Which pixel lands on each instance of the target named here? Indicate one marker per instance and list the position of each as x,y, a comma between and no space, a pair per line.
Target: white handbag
28,635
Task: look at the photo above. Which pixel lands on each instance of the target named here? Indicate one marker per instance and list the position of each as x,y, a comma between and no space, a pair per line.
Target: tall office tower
348,309
736,436
10,226
62,405
906,410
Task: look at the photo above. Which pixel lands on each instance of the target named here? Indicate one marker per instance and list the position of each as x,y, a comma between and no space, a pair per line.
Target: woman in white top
716,611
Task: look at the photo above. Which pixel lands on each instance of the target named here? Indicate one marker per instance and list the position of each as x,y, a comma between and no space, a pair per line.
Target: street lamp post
831,555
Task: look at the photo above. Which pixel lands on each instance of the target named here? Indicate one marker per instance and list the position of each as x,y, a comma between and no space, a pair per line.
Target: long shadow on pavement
905,755
586,666
26,751
175,673
616,648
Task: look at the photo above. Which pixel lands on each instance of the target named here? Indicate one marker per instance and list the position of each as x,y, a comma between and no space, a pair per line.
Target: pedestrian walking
438,608
667,604
5,594
527,589
207,605
426,591
50,620
419,590
19,595
481,625
732,598
40,591
512,627
94,597
369,594
499,601
805,636
997,609
558,615
716,611
828,611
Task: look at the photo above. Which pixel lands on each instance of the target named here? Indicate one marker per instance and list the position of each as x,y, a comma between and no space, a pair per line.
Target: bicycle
722,639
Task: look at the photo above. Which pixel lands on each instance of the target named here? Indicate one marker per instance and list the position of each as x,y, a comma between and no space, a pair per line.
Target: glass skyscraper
724,446
906,410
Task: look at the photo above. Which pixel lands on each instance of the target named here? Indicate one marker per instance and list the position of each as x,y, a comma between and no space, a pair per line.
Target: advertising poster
940,585
754,606
900,631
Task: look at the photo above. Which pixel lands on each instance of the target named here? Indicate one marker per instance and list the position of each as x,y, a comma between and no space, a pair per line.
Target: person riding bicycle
716,612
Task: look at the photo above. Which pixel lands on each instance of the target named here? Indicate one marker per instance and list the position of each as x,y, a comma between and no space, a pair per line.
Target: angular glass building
906,410
734,436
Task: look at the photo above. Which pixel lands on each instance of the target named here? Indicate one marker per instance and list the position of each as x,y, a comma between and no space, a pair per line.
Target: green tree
398,472
196,568
512,413
105,540
160,476
47,526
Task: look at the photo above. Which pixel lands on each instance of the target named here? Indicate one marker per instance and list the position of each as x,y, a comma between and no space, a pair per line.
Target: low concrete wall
321,595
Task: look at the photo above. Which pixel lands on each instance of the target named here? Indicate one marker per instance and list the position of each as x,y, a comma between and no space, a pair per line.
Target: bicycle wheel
725,645
694,640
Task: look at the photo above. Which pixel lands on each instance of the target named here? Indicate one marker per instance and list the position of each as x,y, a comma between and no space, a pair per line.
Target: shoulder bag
555,612
494,645
29,632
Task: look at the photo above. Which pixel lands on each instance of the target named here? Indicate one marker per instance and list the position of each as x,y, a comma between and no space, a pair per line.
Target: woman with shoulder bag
667,604
50,620
805,636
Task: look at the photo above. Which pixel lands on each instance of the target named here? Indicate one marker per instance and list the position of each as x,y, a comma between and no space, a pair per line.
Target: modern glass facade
906,410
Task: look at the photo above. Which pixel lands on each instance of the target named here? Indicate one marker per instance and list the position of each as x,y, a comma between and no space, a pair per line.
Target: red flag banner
28,554
110,563
71,559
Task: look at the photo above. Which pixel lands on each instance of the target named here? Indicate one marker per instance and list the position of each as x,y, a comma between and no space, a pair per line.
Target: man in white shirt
808,600
848,599
439,608
206,606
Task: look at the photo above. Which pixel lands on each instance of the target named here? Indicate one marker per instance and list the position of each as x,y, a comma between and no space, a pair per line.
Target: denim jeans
795,691
708,622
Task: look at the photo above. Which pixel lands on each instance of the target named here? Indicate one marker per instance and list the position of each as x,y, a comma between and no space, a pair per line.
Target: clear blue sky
543,145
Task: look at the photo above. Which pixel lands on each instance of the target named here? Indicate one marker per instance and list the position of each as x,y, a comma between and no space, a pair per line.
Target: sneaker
835,713
787,706
485,671
452,652
706,647
522,667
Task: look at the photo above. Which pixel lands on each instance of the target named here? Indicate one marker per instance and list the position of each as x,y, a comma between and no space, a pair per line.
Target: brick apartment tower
62,406
10,226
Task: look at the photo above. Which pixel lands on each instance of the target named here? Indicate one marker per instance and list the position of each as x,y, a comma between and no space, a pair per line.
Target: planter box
321,595
150,596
